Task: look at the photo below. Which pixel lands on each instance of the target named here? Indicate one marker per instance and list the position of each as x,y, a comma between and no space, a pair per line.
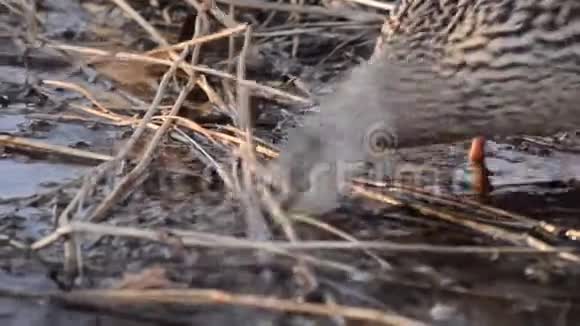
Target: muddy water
24,175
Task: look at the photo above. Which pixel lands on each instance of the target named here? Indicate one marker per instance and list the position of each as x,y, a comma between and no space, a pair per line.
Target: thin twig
357,15
23,143
228,32
256,225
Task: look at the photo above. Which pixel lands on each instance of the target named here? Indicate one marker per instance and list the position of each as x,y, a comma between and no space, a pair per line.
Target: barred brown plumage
444,71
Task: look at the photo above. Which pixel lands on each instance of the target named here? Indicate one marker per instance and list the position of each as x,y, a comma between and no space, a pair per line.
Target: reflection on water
24,179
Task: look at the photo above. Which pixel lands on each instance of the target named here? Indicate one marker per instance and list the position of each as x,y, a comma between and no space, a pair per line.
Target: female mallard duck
443,71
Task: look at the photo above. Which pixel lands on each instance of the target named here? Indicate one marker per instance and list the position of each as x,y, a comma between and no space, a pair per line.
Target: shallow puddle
23,179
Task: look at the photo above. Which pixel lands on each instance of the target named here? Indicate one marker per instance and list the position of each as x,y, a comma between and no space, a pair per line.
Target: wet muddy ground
531,177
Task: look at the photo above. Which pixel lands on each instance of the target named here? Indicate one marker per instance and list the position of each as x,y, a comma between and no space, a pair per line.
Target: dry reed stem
146,26
189,124
295,18
272,151
219,15
195,239
122,120
488,212
72,257
231,40
157,37
195,297
357,15
308,24
73,118
278,214
103,112
191,238
491,231
12,8
375,4
228,32
214,97
256,226
539,141
187,68
28,144
30,8
79,89
212,135
210,160
270,17
121,190
201,27
469,204
341,234
299,31
72,253
26,12
227,89
144,122
199,239
225,137
304,275
237,141
340,46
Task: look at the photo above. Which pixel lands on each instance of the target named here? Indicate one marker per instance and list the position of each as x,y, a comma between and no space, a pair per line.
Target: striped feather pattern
512,66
